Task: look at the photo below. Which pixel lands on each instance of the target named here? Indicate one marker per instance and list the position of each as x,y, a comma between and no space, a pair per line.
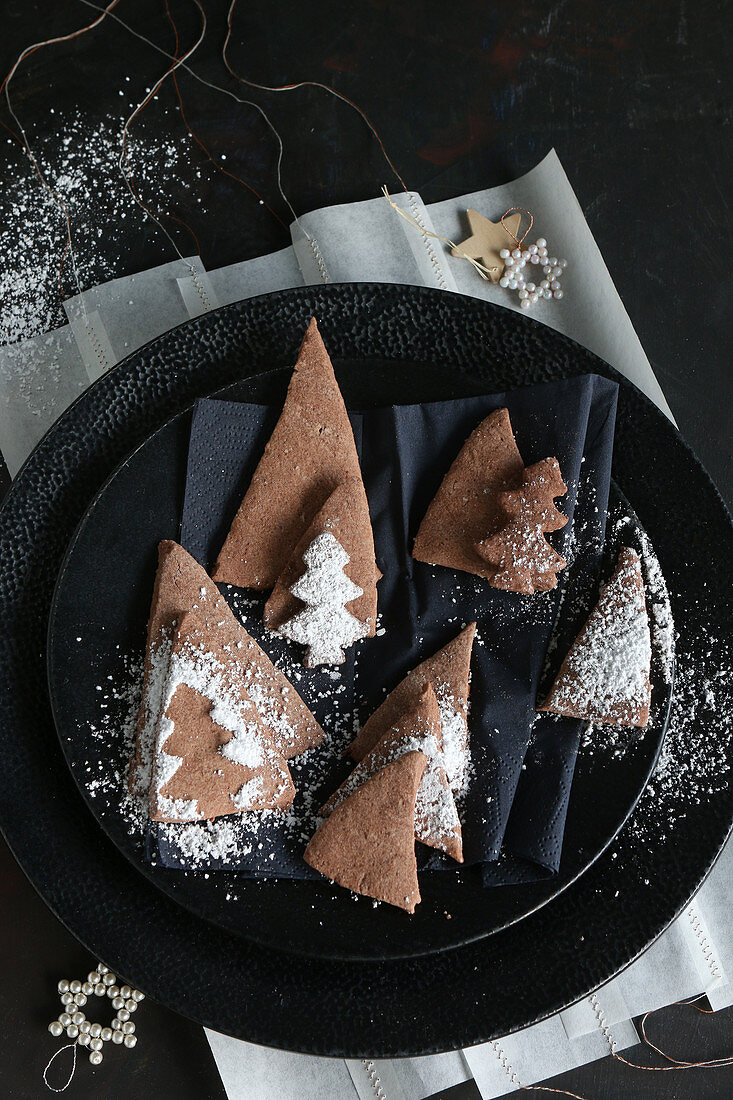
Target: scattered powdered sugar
80,162
696,755
436,816
221,839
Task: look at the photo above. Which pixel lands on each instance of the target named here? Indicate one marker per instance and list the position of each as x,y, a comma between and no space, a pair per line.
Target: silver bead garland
72,1020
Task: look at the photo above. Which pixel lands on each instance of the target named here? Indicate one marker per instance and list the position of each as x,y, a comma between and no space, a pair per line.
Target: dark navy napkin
522,763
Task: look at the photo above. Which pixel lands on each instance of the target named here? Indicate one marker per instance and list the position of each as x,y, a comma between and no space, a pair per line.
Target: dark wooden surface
465,95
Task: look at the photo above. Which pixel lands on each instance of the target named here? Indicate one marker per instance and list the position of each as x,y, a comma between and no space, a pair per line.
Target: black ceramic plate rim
481,1019
164,883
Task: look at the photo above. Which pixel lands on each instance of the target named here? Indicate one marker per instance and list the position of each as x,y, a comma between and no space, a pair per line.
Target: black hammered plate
98,618
420,1005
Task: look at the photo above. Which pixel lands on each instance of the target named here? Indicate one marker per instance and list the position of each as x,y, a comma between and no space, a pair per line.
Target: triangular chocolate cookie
605,675
448,672
181,586
345,515
310,452
465,508
368,843
436,819
197,774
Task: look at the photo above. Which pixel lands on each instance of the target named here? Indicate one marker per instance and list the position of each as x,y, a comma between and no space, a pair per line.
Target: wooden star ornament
487,239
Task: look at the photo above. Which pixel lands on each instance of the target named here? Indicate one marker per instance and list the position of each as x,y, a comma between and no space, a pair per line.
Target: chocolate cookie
605,675
436,819
181,586
368,843
309,454
448,672
465,508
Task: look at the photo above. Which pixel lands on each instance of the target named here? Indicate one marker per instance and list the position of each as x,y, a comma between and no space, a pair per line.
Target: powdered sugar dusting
607,669
202,672
81,165
325,626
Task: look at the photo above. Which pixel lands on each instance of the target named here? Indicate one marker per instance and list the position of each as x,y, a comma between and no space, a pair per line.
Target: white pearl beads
514,278
74,995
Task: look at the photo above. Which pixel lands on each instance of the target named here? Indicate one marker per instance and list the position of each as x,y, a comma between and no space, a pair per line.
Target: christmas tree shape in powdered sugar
521,555
605,675
324,626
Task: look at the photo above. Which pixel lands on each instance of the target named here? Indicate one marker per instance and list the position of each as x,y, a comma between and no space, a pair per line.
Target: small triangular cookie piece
465,508
448,671
310,452
605,675
183,586
436,819
345,515
519,553
214,758
368,843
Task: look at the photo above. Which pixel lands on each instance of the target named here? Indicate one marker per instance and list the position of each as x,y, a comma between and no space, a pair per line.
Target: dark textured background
465,96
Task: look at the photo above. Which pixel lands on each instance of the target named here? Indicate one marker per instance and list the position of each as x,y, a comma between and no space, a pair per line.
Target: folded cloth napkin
517,758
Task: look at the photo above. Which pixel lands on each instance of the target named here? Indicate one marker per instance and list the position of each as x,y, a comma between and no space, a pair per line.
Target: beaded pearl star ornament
537,256
92,1036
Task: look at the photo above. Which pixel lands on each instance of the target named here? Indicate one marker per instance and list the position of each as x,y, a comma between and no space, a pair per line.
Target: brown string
306,84
200,143
677,1064
517,210
125,156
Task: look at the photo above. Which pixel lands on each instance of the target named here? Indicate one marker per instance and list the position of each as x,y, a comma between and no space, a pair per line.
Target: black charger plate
420,1005
98,618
